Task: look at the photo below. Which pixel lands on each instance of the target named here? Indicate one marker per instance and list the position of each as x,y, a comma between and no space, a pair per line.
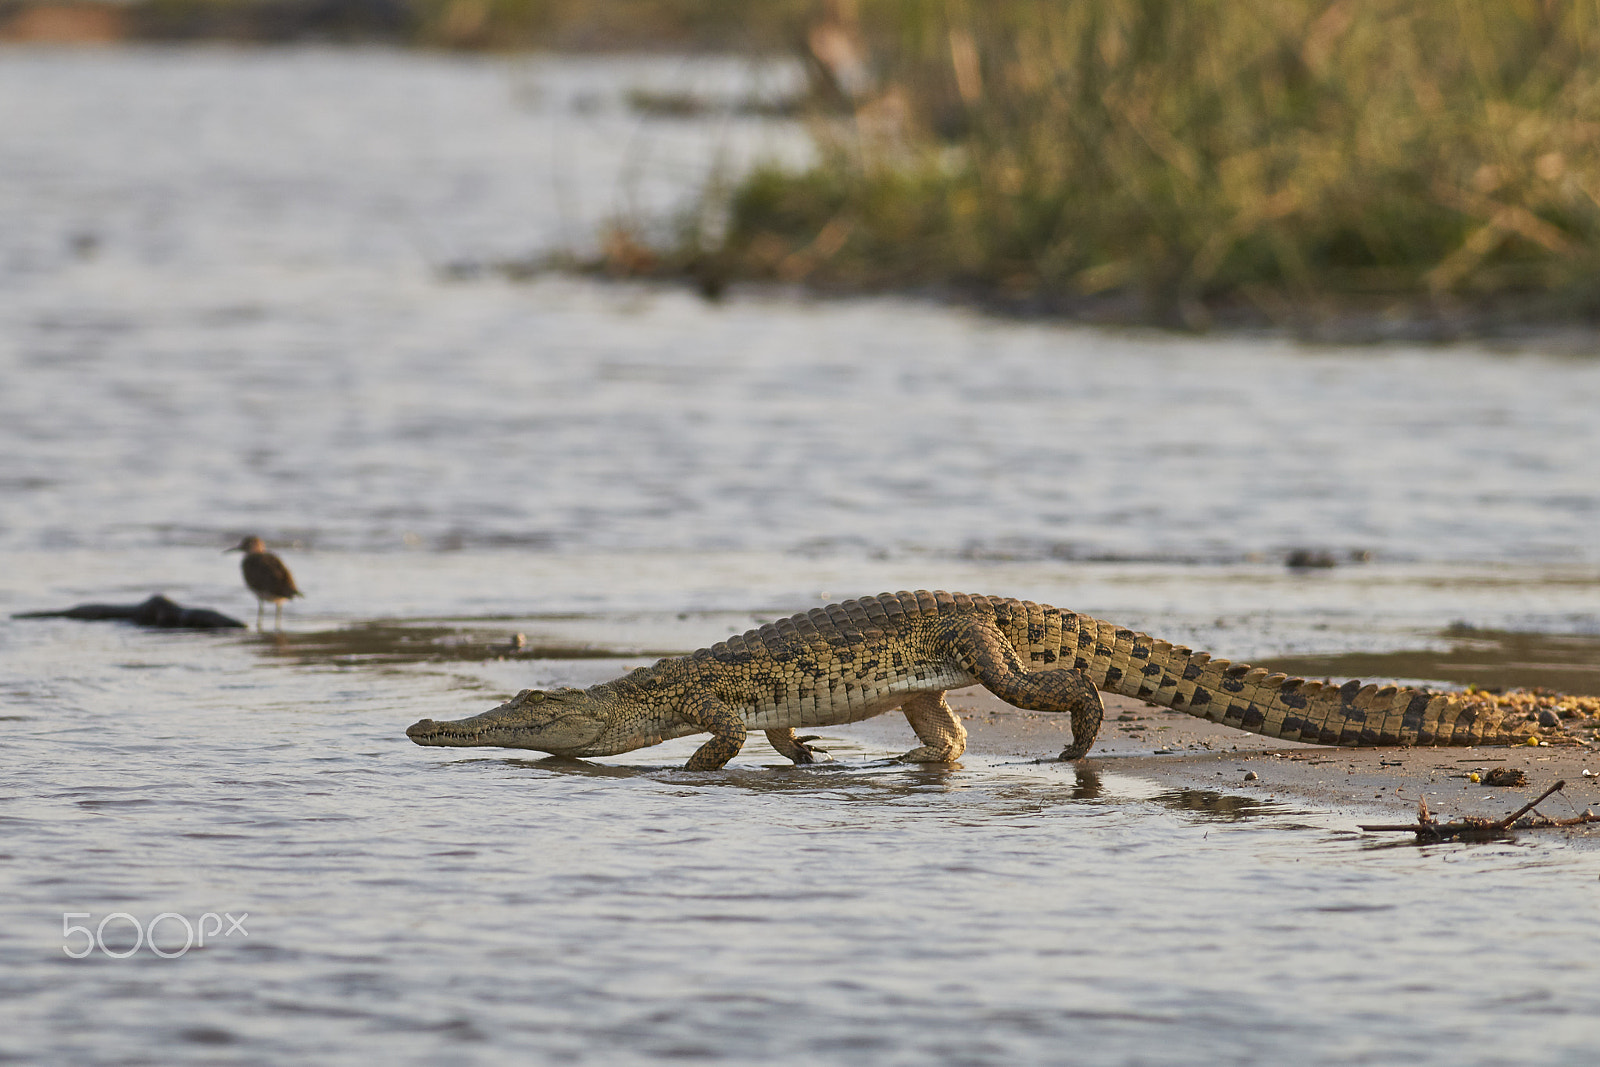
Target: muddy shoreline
1366,784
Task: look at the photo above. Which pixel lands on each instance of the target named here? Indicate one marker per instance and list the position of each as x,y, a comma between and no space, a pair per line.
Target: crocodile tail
1120,660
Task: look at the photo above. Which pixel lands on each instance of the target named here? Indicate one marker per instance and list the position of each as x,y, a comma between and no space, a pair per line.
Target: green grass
1191,157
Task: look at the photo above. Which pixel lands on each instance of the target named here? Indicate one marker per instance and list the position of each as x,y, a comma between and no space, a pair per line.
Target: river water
226,308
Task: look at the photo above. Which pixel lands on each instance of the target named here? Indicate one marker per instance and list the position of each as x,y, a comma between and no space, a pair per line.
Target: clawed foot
795,750
807,754
1075,751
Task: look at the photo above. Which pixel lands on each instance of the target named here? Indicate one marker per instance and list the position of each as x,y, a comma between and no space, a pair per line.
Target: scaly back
1119,660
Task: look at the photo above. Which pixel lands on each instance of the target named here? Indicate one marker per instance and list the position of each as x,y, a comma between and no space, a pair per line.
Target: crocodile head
563,722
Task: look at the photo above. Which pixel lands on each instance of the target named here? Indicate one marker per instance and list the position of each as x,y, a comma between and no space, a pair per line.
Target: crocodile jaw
563,722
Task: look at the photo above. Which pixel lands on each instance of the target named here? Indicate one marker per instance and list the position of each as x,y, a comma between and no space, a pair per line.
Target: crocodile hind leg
984,652
795,748
727,731
937,727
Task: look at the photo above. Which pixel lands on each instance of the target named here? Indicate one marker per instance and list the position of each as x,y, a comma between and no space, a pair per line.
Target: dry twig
1428,829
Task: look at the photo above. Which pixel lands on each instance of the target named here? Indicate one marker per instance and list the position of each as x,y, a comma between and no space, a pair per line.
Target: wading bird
266,576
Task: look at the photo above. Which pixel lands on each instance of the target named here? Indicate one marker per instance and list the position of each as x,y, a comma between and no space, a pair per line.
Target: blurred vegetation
1180,161
586,25
720,25
1177,160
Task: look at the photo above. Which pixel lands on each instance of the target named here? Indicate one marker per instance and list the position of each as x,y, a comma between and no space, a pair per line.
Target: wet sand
1371,785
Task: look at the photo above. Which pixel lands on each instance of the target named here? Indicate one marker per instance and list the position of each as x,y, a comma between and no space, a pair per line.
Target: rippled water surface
225,309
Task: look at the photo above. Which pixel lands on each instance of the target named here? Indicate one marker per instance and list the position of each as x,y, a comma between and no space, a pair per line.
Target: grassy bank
1178,161
502,25
1181,160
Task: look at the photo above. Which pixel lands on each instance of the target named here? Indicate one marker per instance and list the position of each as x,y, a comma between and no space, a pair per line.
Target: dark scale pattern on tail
1124,661
1119,660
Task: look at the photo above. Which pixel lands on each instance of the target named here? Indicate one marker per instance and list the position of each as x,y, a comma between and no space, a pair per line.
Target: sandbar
1364,784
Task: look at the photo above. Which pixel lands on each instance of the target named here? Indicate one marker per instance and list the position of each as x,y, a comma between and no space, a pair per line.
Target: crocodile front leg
983,652
795,748
727,733
937,727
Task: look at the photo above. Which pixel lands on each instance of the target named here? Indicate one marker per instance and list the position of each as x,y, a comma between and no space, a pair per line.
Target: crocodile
860,658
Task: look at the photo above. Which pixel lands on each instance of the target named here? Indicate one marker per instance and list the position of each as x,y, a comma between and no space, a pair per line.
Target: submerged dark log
157,611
